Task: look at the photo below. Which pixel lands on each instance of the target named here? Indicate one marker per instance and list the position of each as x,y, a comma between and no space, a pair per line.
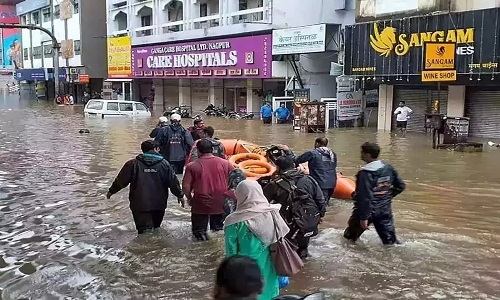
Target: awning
118,79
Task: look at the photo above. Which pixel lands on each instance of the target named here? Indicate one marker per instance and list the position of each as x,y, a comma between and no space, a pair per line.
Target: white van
114,108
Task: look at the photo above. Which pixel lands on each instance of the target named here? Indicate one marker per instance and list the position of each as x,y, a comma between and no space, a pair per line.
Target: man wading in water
377,183
150,176
402,113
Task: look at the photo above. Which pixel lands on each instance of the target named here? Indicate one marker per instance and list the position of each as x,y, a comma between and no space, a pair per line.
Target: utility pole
55,63
55,45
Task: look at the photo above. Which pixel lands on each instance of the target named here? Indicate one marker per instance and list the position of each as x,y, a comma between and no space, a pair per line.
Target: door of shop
422,102
483,109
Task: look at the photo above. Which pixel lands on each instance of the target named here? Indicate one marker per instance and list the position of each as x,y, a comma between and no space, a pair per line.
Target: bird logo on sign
383,42
440,51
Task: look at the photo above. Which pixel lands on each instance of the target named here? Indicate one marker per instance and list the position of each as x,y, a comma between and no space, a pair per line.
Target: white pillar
456,100
158,103
385,100
184,92
211,91
253,101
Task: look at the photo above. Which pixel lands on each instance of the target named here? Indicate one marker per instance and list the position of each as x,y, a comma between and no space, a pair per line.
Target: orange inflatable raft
344,188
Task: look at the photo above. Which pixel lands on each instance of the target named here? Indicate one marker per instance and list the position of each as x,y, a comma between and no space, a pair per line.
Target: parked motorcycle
315,296
182,111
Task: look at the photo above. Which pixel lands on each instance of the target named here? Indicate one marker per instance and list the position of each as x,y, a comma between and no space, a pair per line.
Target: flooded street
60,238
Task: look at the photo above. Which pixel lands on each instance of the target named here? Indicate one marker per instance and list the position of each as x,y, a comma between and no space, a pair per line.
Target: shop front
39,81
227,72
445,64
120,68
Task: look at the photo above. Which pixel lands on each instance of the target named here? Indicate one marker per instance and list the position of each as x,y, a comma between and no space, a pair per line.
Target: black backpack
300,208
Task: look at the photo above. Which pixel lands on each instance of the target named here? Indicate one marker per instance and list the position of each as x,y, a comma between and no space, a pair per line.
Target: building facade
222,51
82,57
390,55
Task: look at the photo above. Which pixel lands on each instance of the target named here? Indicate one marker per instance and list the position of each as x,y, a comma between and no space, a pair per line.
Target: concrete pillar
211,91
385,100
159,99
185,92
456,100
253,101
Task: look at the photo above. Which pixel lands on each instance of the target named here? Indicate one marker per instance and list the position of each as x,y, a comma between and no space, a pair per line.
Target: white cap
175,117
163,119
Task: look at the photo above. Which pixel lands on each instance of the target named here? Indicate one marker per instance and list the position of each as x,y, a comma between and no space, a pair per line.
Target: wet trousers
300,241
148,220
328,193
178,166
199,224
383,223
267,120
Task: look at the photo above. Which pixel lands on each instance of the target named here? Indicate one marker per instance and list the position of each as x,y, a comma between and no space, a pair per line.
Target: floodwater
60,238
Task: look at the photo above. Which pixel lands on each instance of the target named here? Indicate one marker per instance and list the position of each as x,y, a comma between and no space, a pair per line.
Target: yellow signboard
435,76
120,57
439,56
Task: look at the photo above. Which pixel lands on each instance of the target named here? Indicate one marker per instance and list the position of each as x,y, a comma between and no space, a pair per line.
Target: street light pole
56,53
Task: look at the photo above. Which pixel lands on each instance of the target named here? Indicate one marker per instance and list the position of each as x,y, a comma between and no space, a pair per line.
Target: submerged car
115,108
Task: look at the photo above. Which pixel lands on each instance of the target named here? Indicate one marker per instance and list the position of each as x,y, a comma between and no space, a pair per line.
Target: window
126,107
145,21
36,18
37,52
78,47
243,5
112,106
24,20
47,50
97,105
76,7
46,14
57,11
140,106
26,54
203,10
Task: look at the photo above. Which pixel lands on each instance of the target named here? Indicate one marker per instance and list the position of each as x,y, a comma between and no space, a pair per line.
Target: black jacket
376,184
322,164
274,193
175,142
150,176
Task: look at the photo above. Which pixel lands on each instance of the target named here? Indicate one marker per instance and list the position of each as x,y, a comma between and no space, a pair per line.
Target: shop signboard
350,105
119,57
305,39
243,57
439,62
396,47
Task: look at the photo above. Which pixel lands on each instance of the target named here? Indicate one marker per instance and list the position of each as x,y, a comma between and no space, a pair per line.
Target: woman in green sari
251,228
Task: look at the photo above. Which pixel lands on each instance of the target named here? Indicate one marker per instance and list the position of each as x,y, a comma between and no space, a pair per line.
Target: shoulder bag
286,260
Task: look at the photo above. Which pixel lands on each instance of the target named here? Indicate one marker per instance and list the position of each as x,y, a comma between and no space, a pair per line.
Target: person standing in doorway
282,114
377,183
266,113
175,142
150,177
204,185
402,113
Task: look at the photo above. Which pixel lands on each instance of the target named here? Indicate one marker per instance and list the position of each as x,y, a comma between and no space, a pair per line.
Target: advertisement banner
119,57
350,105
396,47
305,39
8,14
243,57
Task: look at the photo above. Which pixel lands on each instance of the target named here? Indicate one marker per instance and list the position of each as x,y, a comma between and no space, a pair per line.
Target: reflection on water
60,237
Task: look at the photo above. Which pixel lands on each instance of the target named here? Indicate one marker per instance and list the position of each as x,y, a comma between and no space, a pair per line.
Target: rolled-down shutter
483,107
442,96
416,100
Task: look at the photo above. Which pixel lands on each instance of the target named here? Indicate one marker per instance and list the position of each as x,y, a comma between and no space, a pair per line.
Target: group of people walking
253,214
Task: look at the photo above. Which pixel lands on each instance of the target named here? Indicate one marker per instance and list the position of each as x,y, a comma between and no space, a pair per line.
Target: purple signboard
243,57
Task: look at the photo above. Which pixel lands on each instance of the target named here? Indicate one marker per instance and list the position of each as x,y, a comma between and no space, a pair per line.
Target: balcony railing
175,26
206,22
247,16
144,31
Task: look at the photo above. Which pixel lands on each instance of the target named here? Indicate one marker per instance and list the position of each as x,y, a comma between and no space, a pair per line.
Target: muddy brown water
60,238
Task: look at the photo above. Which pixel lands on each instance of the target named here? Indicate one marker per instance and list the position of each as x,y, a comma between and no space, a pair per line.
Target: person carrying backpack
175,143
302,202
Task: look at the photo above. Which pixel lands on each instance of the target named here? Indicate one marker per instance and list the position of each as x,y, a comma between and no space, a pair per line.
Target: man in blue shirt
266,113
282,114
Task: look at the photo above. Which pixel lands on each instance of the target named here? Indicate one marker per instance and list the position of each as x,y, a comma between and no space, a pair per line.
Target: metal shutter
443,100
483,107
200,91
418,101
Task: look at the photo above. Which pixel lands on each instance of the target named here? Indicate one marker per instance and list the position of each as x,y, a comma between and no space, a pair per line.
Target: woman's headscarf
263,219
